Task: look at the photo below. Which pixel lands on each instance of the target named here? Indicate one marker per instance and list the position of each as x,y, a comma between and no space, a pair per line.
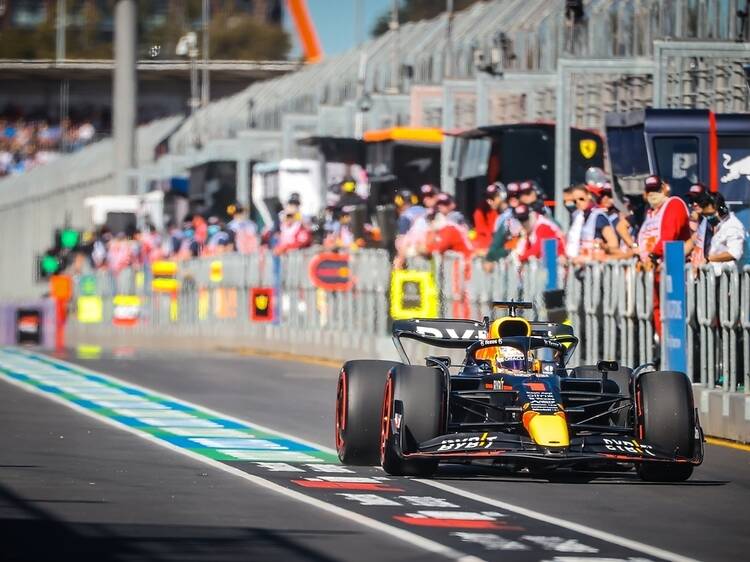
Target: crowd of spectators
29,142
511,220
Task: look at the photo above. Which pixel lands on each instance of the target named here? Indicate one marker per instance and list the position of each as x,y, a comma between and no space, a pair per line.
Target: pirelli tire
359,400
422,396
666,419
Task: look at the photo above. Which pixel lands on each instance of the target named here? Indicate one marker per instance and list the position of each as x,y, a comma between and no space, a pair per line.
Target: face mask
655,199
713,220
570,206
188,232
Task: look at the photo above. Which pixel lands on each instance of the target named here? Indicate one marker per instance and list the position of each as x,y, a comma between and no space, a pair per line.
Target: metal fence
610,304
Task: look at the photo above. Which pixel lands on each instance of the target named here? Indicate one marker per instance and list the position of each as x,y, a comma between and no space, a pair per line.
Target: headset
399,199
721,205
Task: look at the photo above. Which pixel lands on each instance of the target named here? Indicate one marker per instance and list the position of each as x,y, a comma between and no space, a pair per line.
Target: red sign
261,304
359,486
330,271
61,287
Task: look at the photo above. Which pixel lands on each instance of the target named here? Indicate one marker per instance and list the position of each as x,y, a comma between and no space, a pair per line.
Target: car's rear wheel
666,419
359,399
422,394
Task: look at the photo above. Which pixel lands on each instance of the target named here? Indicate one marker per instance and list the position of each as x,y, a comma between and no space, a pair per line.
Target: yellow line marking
727,443
282,355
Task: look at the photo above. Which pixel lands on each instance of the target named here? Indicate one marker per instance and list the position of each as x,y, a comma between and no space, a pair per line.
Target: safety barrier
610,304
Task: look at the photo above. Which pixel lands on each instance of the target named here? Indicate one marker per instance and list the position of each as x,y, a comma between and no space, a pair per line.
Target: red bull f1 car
513,401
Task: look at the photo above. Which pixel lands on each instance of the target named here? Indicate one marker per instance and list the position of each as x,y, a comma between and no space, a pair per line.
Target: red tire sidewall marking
385,417
341,410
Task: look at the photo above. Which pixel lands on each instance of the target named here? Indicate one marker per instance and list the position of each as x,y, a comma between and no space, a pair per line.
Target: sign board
673,308
330,271
126,310
89,309
216,271
87,285
61,287
413,295
261,304
165,285
164,268
28,326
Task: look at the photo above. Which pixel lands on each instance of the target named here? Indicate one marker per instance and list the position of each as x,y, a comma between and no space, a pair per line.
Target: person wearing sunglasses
597,238
618,219
667,220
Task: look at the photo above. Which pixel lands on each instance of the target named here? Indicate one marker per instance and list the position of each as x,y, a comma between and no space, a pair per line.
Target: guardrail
610,304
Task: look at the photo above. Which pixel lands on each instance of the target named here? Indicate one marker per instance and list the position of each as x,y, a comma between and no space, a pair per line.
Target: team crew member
530,195
538,228
486,214
507,228
720,236
618,220
444,235
666,220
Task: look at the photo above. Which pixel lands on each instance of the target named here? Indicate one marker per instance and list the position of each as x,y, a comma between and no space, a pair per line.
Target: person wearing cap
720,236
507,229
486,214
429,194
447,206
537,228
443,235
531,195
349,195
408,209
693,194
667,219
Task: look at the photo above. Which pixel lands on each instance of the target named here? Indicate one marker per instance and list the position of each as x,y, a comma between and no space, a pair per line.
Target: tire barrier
610,304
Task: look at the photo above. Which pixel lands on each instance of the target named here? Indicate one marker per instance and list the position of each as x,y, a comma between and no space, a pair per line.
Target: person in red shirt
537,228
485,216
444,235
667,219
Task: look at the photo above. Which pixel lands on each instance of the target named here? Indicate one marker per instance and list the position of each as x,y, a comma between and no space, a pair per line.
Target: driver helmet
509,359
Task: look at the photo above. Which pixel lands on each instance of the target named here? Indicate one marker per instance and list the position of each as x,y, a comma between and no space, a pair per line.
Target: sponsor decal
628,446
368,499
490,541
559,544
588,148
261,304
450,333
457,520
543,401
483,441
428,501
330,271
279,467
126,310
344,483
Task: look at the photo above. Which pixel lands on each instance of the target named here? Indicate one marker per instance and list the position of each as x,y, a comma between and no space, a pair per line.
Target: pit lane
702,519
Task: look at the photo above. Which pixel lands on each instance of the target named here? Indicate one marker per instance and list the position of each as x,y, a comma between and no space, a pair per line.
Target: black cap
652,183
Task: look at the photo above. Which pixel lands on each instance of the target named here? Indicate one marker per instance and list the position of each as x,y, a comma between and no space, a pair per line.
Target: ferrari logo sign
587,148
261,304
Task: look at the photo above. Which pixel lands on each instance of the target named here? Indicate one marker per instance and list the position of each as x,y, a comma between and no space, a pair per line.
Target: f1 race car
513,401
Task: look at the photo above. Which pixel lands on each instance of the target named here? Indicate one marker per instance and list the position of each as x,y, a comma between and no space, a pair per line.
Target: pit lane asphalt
706,518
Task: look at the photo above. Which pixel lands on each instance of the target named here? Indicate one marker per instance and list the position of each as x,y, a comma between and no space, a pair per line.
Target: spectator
486,214
413,242
429,194
408,209
219,238
243,230
444,235
596,237
349,196
446,205
537,229
293,233
531,195
507,229
666,220
618,220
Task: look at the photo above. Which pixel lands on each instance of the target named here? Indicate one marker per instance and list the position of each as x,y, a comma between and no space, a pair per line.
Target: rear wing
457,333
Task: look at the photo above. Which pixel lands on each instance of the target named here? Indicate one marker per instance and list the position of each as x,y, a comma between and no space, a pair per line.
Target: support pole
205,78
125,92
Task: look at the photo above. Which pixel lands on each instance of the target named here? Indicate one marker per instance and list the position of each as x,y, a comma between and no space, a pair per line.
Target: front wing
460,447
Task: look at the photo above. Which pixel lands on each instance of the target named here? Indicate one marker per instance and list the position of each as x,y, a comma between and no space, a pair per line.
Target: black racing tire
359,399
666,419
422,393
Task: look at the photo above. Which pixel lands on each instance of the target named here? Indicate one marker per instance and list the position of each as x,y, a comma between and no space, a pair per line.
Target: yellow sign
587,148
216,272
165,285
413,295
89,310
164,268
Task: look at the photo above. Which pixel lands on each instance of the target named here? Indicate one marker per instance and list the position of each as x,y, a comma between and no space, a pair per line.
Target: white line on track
411,538
406,536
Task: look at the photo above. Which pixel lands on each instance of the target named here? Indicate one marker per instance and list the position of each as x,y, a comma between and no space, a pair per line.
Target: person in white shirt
726,242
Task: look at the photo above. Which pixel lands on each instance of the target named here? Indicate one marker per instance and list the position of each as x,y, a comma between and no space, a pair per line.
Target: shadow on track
32,534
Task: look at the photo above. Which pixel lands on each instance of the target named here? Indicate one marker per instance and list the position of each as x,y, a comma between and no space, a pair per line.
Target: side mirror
608,366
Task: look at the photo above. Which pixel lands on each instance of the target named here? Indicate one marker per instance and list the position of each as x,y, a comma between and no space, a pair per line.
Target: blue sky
335,23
